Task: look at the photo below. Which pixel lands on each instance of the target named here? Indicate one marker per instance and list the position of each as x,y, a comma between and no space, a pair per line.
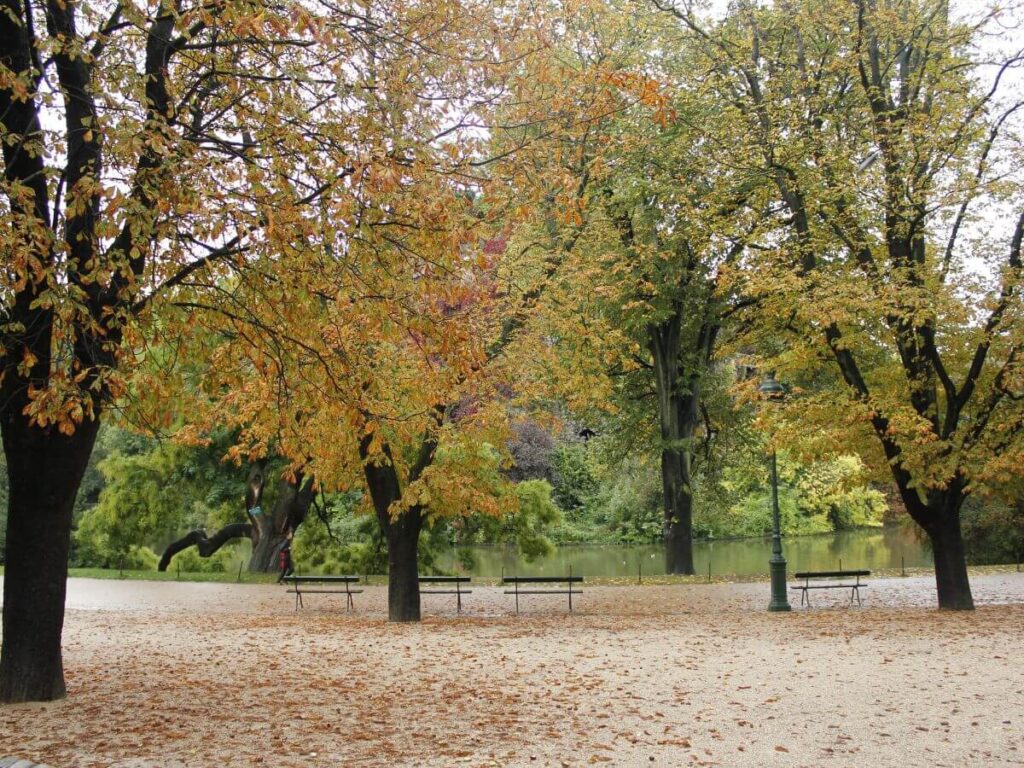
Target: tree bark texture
951,581
403,536
291,506
402,533
941,521
206,546
44,472
677,375
268,532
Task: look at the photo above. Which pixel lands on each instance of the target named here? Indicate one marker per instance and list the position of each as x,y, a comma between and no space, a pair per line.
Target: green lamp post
773,390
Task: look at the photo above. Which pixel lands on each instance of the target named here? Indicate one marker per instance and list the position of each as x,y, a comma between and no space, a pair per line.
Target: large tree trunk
678,415
403,536
268,532
264,552
951,581
403,532
294,498
939,515
44,471
678,528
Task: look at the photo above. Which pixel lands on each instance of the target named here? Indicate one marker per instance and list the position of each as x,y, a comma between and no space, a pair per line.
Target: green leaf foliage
152,496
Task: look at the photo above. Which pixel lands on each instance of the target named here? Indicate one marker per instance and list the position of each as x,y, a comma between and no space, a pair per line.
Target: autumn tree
358,348
894,146
144,145
658,228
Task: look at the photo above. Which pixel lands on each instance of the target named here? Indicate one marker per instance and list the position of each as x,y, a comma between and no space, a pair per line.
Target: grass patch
106,573
377,579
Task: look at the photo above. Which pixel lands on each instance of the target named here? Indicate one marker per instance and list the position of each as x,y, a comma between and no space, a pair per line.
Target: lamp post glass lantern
773,390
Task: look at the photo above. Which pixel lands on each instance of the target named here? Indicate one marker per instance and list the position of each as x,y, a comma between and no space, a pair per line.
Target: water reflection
873,549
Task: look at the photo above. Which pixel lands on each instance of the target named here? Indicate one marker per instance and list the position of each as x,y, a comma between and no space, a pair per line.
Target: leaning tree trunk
205,545
44,470
291,506
268,532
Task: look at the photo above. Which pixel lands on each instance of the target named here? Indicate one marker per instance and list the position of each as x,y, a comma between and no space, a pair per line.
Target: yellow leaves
28,362
61,407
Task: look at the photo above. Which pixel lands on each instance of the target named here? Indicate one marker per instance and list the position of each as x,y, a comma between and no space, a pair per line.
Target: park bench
458,581
333,586
844,583
568,581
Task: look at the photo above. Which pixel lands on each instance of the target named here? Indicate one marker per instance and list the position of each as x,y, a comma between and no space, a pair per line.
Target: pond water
873,549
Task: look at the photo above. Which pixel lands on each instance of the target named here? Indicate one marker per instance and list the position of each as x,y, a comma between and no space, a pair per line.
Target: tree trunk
403,537
268,532
939,516
677,413
951,581
678,528
205,545
44,471
402,533
264,552
294,498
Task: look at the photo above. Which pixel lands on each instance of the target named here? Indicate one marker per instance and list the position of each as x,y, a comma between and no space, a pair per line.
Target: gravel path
185,674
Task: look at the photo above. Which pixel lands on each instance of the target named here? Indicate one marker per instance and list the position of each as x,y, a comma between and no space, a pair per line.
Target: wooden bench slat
568,581
853,586
297,588
829,586
455,580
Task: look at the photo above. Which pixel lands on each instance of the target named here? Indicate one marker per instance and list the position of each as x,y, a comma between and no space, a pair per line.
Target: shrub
993,531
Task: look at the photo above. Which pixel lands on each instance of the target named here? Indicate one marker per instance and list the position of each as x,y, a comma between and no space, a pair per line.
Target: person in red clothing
285,559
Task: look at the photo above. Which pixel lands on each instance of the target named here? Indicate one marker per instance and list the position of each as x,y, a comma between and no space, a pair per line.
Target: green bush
536,516
753,516
224,560
152,496
574,485
993,531
353,545
820,497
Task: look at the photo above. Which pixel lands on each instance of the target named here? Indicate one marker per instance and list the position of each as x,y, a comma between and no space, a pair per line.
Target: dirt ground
178,674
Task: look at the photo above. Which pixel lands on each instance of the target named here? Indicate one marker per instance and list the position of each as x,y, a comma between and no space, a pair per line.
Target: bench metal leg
458,598
517,598
298,598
